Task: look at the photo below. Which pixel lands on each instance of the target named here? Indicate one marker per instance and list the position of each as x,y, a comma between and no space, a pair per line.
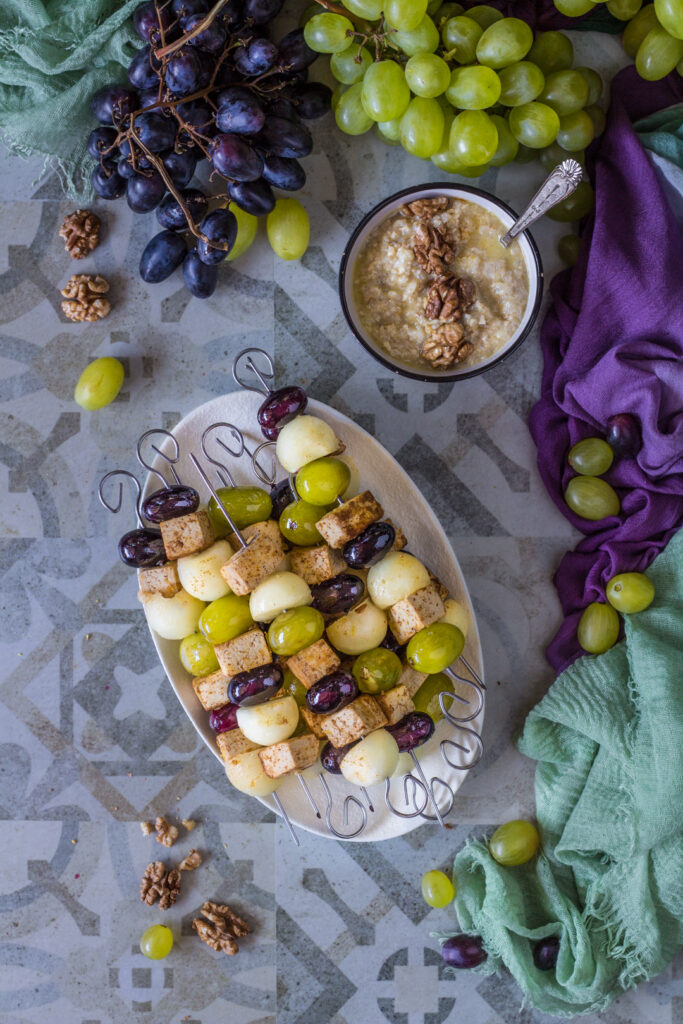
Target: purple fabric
612,342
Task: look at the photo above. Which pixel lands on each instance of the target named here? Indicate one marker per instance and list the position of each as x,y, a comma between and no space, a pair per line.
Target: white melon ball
278,593
457,614
397,576
361,629
175,617
246,773
304,439
200,574
271,722
372,760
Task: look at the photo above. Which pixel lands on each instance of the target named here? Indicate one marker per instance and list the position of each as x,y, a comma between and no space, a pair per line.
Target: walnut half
85,298
221,928
166,833
445,346
425,209
81,233
433,250
160,885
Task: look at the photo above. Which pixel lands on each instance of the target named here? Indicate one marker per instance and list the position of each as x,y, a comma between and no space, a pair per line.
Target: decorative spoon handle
559,184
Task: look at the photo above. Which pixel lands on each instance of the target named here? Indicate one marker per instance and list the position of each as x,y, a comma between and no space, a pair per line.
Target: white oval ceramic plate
403,503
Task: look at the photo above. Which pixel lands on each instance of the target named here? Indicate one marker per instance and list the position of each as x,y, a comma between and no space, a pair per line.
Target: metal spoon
559,184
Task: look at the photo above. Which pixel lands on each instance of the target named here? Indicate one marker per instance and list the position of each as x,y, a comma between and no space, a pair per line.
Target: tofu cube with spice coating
290,755
160,579
313,721
313,663
251,565
243,652
411,679
212,690
415,612
185,535
357,719
344,523
395,704
315,565
232,743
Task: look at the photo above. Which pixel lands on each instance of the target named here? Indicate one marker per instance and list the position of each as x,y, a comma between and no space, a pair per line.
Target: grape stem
338,9
158,165
165,51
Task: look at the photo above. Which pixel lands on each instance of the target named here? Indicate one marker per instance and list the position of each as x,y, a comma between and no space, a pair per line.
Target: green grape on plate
292,630
514,843
592,498
630,592
293,688
404,15
576,131
592,456
297,523
565,91
504,42
198,656
349,112
377,670
328,32
385,91
422,127
598,628
226,618
552,51
534,124
350,65
473,88
245,505
422,39
637,28
577,205
322,481
437,889
670,16
473,138
427,75
426,699
508,147
435,647
658,54
484,15
156,942
520,83
460,36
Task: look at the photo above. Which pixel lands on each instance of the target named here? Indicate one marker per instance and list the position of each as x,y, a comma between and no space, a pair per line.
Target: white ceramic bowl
387,207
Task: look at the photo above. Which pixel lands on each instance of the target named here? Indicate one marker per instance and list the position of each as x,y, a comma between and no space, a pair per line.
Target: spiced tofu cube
313,663
212,690
243,652
234,742
315,565
313,721
344,523
292,755
441,589
251,565
160,579
356,720
415,612
411,679
395,704
188,534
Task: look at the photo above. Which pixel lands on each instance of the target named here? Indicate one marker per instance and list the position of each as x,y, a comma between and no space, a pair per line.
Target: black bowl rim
449,378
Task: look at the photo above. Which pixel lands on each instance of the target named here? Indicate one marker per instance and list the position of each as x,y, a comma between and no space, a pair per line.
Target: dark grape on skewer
279,408
170,502
142,548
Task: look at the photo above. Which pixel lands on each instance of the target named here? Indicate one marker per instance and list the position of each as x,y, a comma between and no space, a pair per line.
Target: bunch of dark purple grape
207,84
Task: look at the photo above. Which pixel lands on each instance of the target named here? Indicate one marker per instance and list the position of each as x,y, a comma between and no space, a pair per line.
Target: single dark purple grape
142,548
254,197
144,193
280,407
169,503
106,180
255,686
148,97
256,57
239,111
212,39
331,693
369,546
112,103
331,757
155,131
412,731
180,166
235,159
161,256
224,719
145,20
196,113
126,169
283,172
294,53
220,226
545,953
284,138
141,72
313,100
623,435
200,279
170,214
464,951
261,11
188,71
281,496
184,8
281,106
392,644
338,595
99,140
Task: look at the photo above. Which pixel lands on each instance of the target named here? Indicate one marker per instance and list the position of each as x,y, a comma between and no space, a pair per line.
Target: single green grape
514,843
422,127
385,91
371,10
504,42
433,6
658,54
508,146
295,629
460,36
322,481
484,15
337,95
520,83
435,647
349,112
437,889
594,82
297,523
576,206
156,942
592,498
565,91
474,138
552,51
198,656
598,628
350,65
244,505
569,247
328,33
390,131
624,10
576,131
446,11
592,456
427,75
226,618
473,88
404,15
377,670
670,16
574,8
553,155
637,28
597,116
630,592
292,687
427,697
247,226
534,124
288,229
99,384
423,39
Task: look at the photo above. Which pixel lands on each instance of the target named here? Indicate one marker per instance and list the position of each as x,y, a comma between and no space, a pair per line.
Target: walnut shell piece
445,346
160,885
85,298
425,209
221,928
81,233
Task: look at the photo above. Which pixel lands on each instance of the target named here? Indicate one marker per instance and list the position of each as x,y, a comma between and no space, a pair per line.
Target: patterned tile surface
93,741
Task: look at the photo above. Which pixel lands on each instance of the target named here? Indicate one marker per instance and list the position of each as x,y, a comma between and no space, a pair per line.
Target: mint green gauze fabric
53,57
608,738
663,133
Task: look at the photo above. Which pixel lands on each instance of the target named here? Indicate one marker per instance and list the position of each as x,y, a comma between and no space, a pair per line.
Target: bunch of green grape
653,36
467,90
